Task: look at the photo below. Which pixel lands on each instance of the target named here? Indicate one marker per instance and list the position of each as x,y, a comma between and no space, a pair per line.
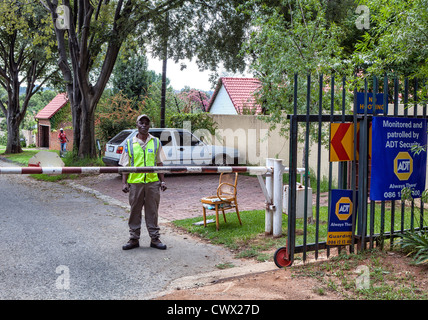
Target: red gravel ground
182,198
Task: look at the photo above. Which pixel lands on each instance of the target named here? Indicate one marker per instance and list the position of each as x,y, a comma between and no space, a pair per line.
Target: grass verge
70,160
249,240
20,158
367,275
246,241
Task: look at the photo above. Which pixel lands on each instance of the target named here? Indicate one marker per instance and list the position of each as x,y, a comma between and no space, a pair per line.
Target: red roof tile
53,107
241,92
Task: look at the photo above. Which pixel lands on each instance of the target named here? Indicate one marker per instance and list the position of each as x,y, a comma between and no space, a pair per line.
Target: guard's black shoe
131,244
158,245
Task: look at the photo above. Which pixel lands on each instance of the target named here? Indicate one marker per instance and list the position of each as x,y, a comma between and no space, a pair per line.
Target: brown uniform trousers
145,195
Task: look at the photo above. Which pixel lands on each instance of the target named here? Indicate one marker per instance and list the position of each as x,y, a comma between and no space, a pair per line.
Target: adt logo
343,208
403,165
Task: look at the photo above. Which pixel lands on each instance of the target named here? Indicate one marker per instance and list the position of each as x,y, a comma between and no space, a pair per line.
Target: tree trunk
13,116
13,143
83,115
87,134
80,50
76,111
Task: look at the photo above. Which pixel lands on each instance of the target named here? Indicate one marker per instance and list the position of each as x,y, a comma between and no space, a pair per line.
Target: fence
372,221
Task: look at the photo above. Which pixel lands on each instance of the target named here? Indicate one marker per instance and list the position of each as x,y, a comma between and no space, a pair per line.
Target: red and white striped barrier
272,188
163,169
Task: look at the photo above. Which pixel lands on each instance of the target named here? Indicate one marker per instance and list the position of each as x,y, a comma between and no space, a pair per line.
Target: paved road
60,243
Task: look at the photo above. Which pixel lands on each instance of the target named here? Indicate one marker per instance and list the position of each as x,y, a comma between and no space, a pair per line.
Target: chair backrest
229,178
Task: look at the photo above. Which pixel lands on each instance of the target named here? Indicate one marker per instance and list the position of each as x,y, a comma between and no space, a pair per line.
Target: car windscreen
119,138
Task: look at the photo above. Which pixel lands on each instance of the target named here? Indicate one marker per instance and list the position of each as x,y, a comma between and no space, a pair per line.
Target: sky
190,76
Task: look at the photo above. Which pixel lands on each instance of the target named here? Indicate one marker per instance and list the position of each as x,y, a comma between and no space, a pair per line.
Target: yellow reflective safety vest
143,158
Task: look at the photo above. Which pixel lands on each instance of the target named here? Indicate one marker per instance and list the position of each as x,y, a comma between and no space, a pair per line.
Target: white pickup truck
180,146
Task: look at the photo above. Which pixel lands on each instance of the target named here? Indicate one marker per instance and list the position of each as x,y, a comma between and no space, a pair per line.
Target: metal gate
373,222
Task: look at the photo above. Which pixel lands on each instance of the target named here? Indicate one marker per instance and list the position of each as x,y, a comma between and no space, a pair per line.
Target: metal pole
291,234
163,169
268,210
393,201
164,65
354,174
317,213
362,177
278,188
421,220
305,205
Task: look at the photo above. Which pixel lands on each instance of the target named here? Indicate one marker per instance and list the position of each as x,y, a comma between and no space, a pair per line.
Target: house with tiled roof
47,136
235,96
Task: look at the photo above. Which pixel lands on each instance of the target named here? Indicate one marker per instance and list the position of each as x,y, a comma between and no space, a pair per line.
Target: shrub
416,244
198,121
115,114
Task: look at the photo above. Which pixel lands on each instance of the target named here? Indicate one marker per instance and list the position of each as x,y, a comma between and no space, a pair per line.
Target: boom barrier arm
162,169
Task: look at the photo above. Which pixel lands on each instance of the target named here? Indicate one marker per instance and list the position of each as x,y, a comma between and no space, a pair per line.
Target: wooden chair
225,198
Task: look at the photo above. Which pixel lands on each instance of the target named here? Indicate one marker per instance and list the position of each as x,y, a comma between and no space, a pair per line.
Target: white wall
251,136
222,103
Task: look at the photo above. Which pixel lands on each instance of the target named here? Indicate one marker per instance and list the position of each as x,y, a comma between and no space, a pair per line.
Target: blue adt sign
378,108
394,165
340,218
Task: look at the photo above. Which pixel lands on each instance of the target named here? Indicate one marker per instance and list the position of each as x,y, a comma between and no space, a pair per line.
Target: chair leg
237,212
224,215
216,218
205,216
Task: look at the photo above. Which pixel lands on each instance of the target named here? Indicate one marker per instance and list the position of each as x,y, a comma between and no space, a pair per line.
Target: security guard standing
144,150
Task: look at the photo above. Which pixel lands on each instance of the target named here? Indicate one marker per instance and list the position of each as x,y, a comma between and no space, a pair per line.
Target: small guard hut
47,129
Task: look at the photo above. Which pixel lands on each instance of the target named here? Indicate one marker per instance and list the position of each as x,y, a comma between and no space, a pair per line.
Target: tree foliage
25,56
114,114
89,46
132,77
291,37
396,41
192,100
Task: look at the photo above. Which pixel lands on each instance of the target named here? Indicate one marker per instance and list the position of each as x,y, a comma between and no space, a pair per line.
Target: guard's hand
163,186
125,187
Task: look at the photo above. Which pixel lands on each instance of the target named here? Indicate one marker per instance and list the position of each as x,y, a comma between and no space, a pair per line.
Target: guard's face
143,126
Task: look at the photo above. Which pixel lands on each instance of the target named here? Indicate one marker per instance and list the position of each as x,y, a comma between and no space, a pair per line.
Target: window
187,139
120,137
164,137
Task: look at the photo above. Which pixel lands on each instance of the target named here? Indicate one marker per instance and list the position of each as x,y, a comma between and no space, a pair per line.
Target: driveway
57,242
182,198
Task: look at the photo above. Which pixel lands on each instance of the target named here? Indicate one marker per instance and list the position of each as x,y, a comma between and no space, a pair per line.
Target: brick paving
182,198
